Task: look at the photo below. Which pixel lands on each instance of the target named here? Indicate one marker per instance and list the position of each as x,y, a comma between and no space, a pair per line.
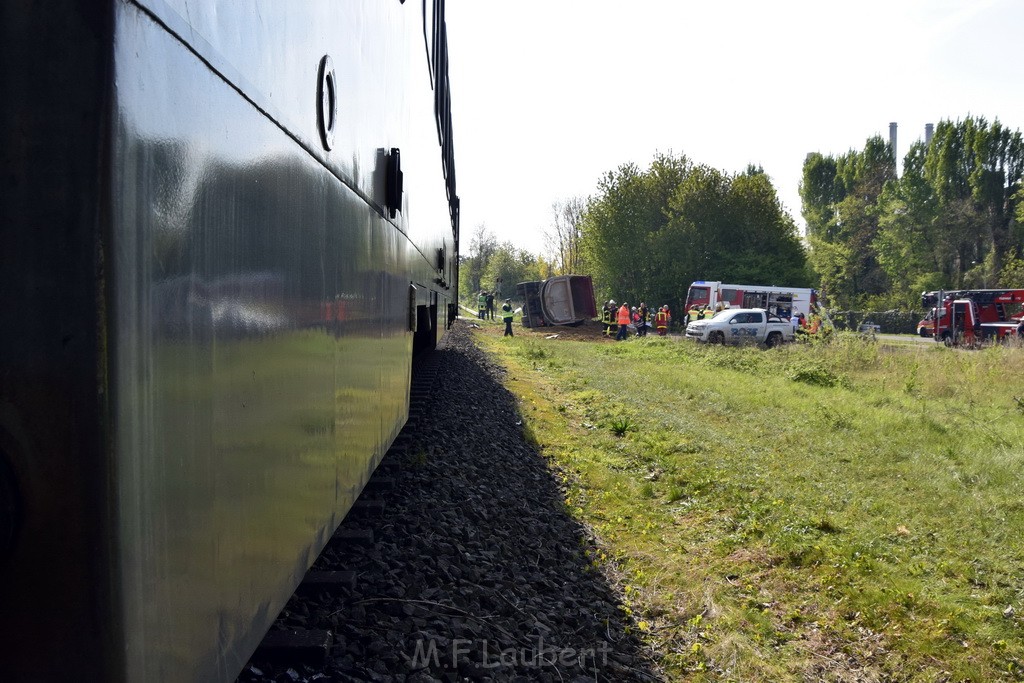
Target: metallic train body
222,223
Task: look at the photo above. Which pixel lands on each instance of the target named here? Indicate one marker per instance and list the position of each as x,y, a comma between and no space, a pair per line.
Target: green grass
821,512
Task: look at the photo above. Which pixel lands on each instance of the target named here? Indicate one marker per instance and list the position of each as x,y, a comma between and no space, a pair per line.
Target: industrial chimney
892,143
929,131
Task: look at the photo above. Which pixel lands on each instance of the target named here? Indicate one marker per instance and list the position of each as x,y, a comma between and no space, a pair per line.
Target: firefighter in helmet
661,321
610,318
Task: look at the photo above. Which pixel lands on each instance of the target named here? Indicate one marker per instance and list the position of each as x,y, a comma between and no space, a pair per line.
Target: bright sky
548,95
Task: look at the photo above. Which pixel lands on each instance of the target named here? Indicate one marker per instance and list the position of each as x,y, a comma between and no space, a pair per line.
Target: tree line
875,239
952,219
497,267
646,234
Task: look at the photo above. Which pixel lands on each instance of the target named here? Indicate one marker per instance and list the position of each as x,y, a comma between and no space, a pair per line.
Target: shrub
815,375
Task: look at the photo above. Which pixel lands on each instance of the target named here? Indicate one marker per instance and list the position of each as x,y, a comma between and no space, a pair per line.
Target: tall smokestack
892,143
929,131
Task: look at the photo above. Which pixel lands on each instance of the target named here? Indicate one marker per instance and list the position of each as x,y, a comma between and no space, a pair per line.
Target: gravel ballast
476,571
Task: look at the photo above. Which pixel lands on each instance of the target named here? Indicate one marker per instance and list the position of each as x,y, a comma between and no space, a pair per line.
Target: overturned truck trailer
562,300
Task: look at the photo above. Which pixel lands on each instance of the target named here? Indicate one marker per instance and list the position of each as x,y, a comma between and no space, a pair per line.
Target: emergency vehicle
992,313
782,301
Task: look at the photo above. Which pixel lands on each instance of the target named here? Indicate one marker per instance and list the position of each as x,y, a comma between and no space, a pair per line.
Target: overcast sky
548,95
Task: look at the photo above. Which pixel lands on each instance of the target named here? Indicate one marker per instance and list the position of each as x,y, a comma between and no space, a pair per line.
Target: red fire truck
970,316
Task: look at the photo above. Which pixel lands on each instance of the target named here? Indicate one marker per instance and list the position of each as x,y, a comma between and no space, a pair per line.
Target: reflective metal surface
235,350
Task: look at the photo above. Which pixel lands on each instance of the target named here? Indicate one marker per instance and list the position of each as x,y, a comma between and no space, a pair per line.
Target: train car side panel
385,93
212,313
246,423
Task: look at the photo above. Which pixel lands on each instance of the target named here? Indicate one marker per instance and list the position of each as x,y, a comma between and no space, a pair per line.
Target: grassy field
848,511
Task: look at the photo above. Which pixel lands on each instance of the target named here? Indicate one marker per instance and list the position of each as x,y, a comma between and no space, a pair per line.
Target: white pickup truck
741,326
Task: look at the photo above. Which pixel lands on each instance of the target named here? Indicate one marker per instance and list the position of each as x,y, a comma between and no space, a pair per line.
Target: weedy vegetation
843,511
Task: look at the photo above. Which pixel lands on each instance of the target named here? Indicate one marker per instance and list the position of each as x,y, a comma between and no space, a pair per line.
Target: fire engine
782,301
969,316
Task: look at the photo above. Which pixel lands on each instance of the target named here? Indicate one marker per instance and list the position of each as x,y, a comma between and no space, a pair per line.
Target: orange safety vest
662,319
623,315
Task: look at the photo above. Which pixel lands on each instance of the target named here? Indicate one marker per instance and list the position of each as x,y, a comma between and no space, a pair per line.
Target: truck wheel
717,338
947,338
774,339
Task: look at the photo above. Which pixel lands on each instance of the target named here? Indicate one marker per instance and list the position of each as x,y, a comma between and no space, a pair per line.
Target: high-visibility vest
482,301
506,312
662,319
623,315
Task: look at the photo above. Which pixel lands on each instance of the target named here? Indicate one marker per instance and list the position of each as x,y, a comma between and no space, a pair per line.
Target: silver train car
227,228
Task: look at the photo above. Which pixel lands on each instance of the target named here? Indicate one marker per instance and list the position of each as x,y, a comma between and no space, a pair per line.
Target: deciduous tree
649,234
482,245
565,236
508,266
842,211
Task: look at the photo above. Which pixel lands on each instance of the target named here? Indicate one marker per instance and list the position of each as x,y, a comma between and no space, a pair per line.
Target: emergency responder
489,314
641,329
623,320
612,326
814,323
481,305
661,321
506,315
